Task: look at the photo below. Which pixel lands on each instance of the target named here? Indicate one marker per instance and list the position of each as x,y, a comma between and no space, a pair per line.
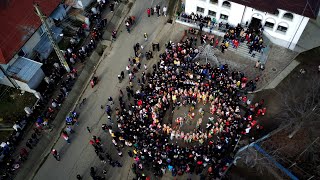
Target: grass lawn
12,106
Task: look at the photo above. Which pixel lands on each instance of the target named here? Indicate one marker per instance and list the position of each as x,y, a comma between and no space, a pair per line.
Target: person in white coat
164,9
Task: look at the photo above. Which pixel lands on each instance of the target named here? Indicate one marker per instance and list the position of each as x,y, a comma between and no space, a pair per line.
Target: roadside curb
55,134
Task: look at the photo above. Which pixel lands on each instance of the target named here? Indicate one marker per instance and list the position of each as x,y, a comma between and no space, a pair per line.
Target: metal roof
23,69
18,24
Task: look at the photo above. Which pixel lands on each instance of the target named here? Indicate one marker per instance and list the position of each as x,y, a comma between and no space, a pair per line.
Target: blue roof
24,69
59,13
44,47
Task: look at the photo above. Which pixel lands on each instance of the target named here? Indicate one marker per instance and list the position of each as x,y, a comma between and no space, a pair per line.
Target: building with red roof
18,23
22,38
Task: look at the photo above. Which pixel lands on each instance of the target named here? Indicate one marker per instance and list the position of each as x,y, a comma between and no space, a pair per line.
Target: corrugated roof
44,47
23,69
18,23
308,8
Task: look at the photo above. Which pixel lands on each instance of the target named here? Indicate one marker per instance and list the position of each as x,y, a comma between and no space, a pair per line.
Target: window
288,16
22,52
214,1
282,28
212,13
41,30
226,4
269,25
200,9
224,17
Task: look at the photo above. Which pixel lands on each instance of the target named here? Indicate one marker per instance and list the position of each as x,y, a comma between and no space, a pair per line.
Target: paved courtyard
79,156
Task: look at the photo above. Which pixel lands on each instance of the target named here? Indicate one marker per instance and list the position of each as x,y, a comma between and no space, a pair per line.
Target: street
79,156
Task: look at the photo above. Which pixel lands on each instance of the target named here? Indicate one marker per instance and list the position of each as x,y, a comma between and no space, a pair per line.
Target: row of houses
23,41
283,21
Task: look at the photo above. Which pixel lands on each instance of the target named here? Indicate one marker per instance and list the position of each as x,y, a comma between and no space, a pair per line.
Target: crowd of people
234,35
42,114
251,35
156,10
177,80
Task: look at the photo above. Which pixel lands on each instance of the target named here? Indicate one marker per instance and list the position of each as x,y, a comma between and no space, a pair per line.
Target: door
255,23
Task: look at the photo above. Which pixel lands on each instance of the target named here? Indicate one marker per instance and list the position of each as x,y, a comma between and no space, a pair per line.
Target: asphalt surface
79,156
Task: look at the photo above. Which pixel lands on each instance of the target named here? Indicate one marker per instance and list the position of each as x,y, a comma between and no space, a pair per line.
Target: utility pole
50,36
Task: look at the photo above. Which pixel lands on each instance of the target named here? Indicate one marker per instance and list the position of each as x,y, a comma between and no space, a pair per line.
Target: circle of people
177,80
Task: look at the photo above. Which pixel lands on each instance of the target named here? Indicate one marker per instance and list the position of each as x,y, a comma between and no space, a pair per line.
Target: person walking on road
69,129
65,136
79,177
88,129
29,145
55,154
110,100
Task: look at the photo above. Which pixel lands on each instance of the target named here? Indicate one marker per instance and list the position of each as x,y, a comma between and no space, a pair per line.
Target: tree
300,105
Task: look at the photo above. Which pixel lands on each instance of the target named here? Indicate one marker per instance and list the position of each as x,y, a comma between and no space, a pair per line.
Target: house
283,20
23,41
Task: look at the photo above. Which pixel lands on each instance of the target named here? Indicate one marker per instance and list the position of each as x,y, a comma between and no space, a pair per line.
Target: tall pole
50,36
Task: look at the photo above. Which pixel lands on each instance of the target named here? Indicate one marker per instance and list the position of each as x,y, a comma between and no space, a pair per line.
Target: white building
283,20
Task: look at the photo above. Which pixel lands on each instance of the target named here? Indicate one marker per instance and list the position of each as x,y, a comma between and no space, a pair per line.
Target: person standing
55,154
111,7
158,10
148,12
155,10
69,129
29,145
145,35
79,177
110,100
65,136
164,9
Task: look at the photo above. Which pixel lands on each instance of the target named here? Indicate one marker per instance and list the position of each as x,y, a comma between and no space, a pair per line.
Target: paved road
79,156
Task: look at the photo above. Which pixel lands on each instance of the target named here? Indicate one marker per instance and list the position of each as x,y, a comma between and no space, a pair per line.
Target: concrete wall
241,14
36,79
23,86
233,18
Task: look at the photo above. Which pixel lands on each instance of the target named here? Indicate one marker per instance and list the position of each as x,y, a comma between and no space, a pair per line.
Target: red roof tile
18,23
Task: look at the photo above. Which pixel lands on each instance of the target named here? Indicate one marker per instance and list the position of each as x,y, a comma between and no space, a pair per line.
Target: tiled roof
18,23
308,8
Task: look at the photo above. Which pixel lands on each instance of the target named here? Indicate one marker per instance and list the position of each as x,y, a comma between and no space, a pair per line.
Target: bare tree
300,104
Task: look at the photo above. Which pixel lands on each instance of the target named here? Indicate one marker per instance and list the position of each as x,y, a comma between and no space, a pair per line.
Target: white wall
241,14
295,26
23,86
234,17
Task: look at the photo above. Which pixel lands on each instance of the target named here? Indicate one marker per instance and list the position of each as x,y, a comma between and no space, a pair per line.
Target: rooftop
308,8
18,23
23,69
